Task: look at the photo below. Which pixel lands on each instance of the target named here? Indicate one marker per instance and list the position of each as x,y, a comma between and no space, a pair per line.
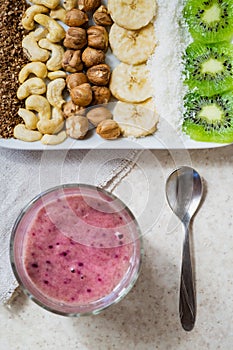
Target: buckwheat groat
12,60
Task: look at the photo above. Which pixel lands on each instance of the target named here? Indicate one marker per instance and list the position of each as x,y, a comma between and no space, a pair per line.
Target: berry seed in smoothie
77,248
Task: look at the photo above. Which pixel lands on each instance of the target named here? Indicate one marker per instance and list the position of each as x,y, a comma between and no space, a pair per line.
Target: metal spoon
184,192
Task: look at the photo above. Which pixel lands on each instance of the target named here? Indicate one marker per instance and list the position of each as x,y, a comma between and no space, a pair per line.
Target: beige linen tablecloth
25,174
148,317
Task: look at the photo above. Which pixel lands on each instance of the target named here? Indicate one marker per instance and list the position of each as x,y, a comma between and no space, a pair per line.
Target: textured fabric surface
25,174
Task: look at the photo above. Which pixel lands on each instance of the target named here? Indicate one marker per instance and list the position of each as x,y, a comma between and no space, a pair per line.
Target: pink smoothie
74,252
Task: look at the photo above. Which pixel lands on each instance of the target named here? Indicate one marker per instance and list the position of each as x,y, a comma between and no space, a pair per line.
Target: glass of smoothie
76,249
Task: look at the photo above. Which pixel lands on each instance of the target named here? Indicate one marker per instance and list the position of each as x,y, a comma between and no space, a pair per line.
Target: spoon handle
187,304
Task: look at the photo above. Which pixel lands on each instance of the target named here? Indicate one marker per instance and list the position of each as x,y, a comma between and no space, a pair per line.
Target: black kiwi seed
201,74
202,127
202,28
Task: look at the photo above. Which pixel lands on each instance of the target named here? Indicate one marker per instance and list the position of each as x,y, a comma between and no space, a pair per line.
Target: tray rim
95,142
149,142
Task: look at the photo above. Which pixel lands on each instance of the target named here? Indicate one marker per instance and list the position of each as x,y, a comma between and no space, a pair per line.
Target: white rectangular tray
157,141
95,142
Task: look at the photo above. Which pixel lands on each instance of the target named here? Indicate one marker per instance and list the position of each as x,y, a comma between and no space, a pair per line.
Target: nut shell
108,129
81,95
99,75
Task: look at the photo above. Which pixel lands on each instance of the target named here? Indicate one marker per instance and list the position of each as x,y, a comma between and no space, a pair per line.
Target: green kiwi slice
210,21
209,119
209,68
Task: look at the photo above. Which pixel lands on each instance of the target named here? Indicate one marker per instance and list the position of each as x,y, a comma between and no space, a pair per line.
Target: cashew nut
33,86
29,118
37,68
51,4
70,4
54,139
39,104
57,74
31,48
56,32
54,92
24,134
28,17
55,61
58,13
53,125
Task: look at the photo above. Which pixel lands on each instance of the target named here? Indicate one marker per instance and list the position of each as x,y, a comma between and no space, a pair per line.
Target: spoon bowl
184,193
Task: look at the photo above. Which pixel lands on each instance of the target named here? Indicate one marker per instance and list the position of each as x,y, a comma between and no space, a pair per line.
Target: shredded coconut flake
166,67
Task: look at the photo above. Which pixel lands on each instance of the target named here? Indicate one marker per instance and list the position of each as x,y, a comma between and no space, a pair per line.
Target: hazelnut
97,115
99,75
88,5
97,38
101,95
70,109
76,38
77,127
75,79
72,61
76,18
81,95
102,16
92,57
108,129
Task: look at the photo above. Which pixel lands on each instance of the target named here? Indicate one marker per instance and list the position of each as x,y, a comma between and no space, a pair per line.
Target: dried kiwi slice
209,68
209,119
210,21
